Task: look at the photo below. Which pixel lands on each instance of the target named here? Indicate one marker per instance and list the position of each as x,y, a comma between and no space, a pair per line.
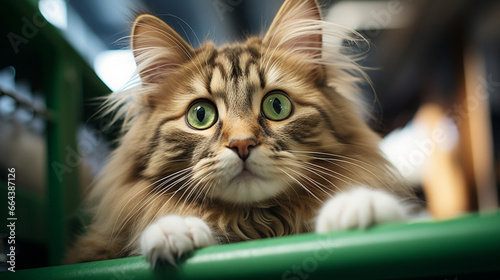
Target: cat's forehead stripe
239,61
234,76
234,60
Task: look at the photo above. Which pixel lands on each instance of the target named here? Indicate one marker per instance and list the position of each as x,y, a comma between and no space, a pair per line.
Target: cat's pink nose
242,147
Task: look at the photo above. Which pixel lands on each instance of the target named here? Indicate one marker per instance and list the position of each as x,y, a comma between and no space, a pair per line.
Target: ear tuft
297,27
158,49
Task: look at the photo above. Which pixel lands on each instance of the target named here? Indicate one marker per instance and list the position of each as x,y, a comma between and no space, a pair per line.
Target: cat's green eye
276,106
201,115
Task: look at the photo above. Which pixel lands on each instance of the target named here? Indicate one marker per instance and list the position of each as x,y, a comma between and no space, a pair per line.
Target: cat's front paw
359,208
172,236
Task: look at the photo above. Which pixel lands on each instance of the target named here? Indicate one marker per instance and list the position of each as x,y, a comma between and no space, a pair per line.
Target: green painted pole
63,93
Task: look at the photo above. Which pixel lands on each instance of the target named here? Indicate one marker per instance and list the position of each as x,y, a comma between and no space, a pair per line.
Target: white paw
172,236
359,208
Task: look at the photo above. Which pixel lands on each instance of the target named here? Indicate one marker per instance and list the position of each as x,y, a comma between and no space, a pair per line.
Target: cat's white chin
247,181
249,188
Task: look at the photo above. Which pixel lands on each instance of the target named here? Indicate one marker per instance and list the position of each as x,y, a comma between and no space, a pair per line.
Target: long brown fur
322,149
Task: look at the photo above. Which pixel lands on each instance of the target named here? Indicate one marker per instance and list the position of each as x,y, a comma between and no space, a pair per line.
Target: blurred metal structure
39,53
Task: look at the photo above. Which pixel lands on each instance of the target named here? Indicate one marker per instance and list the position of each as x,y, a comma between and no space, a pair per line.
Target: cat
245,141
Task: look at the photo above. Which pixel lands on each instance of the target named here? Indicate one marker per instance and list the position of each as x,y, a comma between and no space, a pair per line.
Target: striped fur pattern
163,166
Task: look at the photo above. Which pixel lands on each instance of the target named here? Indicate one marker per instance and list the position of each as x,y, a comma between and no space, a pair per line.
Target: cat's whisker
333,157
318,173
332,173
369,168
199,192
310,180
207,193
187,177
185,173
183,186
187,181
186,187
212,190
365,169
146,199
331,161
196,188
300,184
291,187
142,190
324,170
344,159
204,190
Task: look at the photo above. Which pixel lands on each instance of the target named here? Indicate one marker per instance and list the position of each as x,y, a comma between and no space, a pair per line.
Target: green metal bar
467,245
63,91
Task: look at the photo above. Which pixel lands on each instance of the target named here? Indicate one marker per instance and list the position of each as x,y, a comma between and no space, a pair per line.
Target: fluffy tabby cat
240,142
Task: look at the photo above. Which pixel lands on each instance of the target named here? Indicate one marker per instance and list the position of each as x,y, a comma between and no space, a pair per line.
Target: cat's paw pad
172,236
359,208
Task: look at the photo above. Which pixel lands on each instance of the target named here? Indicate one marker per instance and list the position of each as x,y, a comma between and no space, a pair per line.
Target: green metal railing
452,249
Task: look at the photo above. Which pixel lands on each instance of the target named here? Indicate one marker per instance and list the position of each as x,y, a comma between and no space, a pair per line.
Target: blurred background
434,67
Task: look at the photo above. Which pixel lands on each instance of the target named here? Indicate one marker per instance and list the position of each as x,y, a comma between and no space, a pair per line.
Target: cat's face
242,123
237,120
234,118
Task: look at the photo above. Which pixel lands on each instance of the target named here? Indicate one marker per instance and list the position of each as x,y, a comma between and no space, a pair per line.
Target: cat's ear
297,28
158,49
